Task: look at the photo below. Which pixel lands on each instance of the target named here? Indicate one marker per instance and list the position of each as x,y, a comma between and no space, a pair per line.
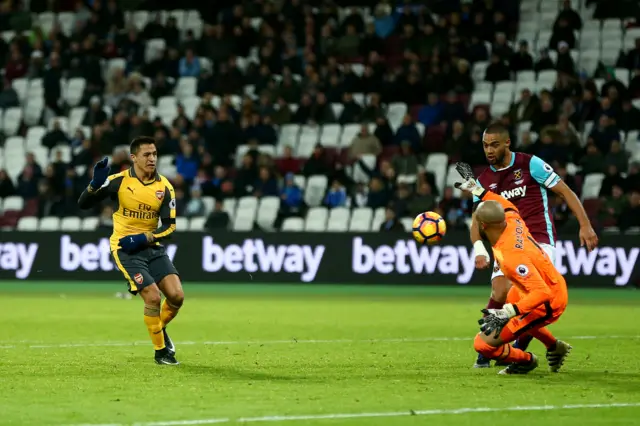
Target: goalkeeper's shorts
543,315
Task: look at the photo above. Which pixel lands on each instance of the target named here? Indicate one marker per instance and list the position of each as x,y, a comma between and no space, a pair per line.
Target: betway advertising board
375,258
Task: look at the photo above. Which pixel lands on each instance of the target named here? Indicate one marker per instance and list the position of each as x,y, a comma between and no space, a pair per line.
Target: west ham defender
524,180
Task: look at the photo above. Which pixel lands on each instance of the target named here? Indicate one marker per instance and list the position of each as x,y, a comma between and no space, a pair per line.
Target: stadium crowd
257,98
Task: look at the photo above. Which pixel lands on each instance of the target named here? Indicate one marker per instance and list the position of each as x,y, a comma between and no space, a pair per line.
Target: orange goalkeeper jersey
525,263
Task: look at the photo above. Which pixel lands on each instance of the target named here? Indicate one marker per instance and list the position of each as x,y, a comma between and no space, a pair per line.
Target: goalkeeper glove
469,184
496,319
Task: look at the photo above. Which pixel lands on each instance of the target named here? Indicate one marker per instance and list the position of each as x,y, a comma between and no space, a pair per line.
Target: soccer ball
429,227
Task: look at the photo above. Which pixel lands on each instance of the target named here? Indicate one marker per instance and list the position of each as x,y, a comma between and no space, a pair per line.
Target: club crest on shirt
160,195
517,174
138,278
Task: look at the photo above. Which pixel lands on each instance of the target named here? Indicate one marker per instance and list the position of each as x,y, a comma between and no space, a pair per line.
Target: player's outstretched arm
544,174
588,236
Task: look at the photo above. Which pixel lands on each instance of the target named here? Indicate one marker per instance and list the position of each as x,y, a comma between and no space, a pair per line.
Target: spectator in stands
378,195
613,204
36,66
266,185
291,201
7,188
94,115
317,164
385,20
364,143
409,132
28,183
617,157
591,162
501,48
187,163
16,66
497,70
604,134
522,59
351,112
383,131
452,109
391,222
630,216
546,116
423,200
402,199
55,136
526,108
449,208
570,16
431,113
632,182
565,62
336,196
9,96
473,153
374,109
544,61
218,219
405,162
195,206
562,32
460,77
613,177
116,87
560,211
457,141
629,118
477,50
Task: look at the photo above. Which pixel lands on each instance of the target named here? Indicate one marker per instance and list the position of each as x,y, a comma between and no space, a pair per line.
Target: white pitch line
335,416
287,341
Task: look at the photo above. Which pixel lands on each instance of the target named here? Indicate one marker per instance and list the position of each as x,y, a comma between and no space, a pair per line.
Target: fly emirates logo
520,191
408,257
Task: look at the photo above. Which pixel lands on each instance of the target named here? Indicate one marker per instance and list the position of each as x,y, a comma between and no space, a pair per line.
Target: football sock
154,325
545,336
494,305
523,341
168,312
511,354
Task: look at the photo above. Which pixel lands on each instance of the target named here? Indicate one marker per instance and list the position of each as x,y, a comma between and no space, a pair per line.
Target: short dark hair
497,128
138,142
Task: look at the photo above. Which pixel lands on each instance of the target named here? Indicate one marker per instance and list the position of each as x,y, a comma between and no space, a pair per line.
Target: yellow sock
154,325
167,313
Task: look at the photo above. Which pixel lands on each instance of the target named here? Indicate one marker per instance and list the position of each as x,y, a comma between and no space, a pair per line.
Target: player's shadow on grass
230,373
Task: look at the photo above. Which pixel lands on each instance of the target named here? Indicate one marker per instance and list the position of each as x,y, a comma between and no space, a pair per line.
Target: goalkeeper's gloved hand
100,174
496,319
469,184
132,243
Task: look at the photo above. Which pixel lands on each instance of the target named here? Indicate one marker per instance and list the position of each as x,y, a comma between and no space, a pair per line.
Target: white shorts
548,248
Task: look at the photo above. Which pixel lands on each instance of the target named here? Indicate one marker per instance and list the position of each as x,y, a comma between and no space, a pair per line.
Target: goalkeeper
143,197
538,296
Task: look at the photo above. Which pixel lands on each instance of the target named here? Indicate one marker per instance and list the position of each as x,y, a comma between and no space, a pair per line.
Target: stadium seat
229,205
49,224
182,224
437,164
330,135
316,220
33,111
307,140
245,214
316,187
90,223
20,85
591,186
71,223
361,219
407,223
339,219
75,90
293,224
349,131
186,87
27,223
197,224
379,216
267,212
11,121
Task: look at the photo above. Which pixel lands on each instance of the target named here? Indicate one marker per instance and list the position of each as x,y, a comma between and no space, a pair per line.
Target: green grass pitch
304,355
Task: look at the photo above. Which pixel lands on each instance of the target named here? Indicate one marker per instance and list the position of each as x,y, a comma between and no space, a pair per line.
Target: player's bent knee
151,295
484,346
176,298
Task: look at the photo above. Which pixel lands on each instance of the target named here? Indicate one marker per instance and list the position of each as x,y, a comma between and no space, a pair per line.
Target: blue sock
522,342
